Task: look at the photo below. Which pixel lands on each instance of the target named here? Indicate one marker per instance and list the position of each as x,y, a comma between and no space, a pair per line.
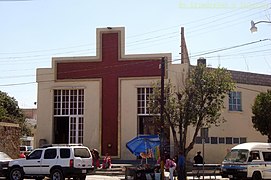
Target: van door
255,163
267,165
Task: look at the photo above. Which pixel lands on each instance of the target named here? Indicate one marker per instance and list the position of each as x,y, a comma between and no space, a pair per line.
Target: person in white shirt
171,166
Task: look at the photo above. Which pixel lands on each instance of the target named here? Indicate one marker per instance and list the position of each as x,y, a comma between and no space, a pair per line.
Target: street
101,177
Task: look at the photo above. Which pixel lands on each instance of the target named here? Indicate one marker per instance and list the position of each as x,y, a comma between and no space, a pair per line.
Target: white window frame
76,129
147,91
70,102
234,98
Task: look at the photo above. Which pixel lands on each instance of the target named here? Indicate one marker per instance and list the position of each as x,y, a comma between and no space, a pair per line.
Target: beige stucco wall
128,112
44,106
128,106
92,113
238,124
128,103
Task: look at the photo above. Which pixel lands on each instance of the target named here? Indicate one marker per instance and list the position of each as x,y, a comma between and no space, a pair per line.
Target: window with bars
243,139
214,140
76,129
222,140
72,130
146,121
71,103
228,140
235,103
236,140
143,95
80,130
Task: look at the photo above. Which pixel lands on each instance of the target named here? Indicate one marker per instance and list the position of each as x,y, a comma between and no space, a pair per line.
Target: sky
34,31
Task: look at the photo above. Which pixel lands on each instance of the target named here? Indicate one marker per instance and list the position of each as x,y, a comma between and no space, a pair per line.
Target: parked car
29,148
4,161
248,161
55,161
25,149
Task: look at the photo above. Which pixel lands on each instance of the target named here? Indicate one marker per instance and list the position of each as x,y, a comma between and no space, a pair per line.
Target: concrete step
118,168
114,171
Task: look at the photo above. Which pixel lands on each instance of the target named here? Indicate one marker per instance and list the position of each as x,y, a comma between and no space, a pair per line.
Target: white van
25,149
248,160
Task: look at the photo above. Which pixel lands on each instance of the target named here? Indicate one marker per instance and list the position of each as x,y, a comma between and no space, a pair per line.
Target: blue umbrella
142,143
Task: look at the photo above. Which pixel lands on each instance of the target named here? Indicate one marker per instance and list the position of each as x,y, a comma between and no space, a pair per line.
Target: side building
31,121
238,127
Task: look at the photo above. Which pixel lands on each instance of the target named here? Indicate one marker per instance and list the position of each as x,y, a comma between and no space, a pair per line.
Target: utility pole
162,103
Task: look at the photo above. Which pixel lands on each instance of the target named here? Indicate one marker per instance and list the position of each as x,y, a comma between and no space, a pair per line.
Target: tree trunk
181,135
175,140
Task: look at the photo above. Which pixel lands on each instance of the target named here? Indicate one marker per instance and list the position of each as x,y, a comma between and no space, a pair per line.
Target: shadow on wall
42,142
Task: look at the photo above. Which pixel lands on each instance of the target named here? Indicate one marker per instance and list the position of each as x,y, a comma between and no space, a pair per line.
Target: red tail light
71,162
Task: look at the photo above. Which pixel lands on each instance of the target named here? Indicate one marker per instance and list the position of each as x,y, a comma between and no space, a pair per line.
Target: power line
242,54
119,65
137,41
17,84
217,18
232,47
223,23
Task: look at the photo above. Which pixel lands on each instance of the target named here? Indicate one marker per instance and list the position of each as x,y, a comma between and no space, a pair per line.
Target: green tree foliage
198,104
261,118
10,112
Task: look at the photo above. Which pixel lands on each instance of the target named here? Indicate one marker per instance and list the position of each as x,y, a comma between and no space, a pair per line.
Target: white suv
55,161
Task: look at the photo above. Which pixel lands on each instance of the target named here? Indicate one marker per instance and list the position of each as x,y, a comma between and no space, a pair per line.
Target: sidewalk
117,172
103,177
122,177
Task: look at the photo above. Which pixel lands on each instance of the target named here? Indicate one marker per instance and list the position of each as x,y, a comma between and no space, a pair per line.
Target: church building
101,101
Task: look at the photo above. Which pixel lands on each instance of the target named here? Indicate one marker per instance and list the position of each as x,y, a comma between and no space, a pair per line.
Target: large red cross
109,68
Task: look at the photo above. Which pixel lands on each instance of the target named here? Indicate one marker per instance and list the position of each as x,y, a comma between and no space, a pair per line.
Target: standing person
107,161
96,158
22,155
180,165
198,158
171,166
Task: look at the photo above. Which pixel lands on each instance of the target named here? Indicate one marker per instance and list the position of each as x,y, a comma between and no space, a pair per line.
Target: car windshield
237,155
81,152
22,148
29,148
4,156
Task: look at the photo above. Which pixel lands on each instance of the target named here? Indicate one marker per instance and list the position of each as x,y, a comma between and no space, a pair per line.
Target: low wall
10,139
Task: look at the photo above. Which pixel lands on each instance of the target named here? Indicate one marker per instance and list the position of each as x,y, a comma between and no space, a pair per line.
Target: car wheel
16,174
56,174
256,176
